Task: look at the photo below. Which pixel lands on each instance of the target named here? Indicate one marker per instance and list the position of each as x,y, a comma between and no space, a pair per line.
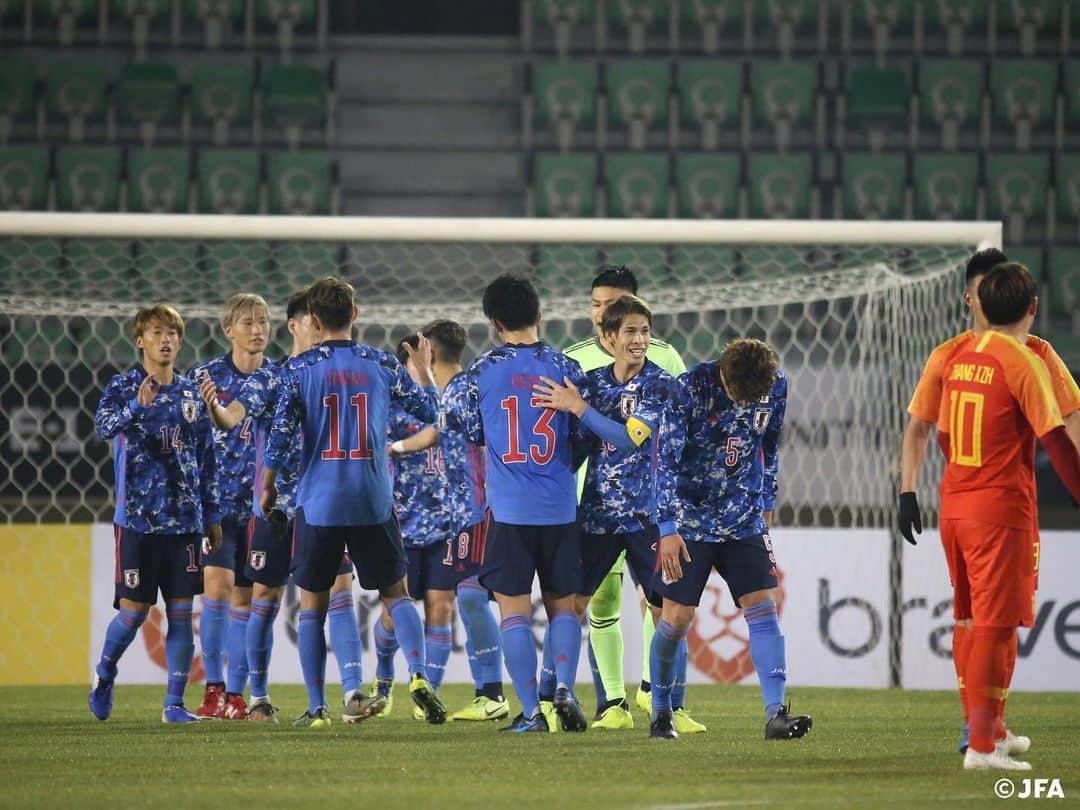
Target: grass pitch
868,748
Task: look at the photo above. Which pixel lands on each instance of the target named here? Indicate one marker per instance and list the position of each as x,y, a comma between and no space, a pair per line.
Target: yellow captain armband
638,431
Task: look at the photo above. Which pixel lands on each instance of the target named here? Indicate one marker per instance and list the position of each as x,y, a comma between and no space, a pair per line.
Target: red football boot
213,704
235,708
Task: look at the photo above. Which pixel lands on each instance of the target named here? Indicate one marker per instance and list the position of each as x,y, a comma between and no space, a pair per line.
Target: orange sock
961,650
1010,666
986,682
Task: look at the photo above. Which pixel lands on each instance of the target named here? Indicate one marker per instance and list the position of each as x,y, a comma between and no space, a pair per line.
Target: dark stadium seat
299,183
785,102
64,16
219,18
707,185
1067,176
875,101
88,178
873,186
140,15
32,264
951,100
24,178
564,270
287,16
160,262
1029,256
638,94
633,23
564,186
1030,27
228,181
705,24
221,99
958,27
99,269
1071,124
159,180
1064,284
650,264
296,101
1016,191
300,263
945,186
18,100
787,26
241,265
564,101
148,97
878,26
1024,98
75,94
780,186
560,25
711,101
636,184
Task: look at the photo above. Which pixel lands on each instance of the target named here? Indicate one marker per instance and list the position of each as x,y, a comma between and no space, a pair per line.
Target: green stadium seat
1067,176
707,185
287,16
18,101
958,26
710,98
228,181
141,13
950,98
564,99
946,186
780,186
637,185
88,178
159,180
784,98
32,266
237,265
99,269
564,186
637,19
298,183
66,15
299,264
24,178
218,17
221,98
793,23
878,23
873,186
1026,22
158,265
702,263
638,92
877,100
565,270
1029,256
1016,191
148,96
1072,97
564,19
296,99
650,265
712,20
75,94
1024,97
1064,278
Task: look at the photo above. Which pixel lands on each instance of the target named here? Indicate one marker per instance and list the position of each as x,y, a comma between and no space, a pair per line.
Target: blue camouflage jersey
727,474
629,490
339,395
529,458
163,456
236,448
426,511
465,463
259,395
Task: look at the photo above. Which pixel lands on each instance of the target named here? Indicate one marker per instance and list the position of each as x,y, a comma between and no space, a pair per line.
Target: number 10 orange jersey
996,399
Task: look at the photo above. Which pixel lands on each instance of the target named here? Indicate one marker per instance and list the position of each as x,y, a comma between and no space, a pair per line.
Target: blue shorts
431,568
147,563
233,552
269,558
375,549
516,553
747,565
600,551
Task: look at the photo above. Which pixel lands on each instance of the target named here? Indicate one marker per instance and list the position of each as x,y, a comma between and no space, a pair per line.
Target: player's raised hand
147,391
566,397
909,517
213,539
208,392
672,553
421,359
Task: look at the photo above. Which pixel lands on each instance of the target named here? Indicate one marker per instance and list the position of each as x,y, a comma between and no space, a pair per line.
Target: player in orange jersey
923,410
996,399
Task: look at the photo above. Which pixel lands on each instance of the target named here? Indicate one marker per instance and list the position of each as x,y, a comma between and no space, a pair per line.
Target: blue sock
179,650
385,647
519,647
481,632
598,683
410,634
437,644
549,678
212,623
345,640
260,643
236,651
566,645
678,688
119,635
662,655
475,671
767,652
312,644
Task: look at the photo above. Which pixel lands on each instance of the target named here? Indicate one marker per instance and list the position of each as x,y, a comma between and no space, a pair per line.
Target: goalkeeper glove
910,517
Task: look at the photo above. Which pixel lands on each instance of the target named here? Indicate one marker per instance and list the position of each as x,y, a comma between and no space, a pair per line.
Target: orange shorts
993,571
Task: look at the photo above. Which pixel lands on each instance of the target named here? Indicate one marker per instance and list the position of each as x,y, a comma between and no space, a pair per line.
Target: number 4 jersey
339,394
531,479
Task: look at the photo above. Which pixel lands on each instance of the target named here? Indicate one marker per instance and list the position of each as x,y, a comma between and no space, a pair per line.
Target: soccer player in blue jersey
339,394
269,544
226,602
734,412
532,493
166,500
629,497
464,555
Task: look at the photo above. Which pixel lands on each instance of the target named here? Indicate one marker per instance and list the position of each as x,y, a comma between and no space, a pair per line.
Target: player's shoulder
956,343
580,347
699,373
133,376
313,356
1009,350
656,375
211,365
559,359
1040,346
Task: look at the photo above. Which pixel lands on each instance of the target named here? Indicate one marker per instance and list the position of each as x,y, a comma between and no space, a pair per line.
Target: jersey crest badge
131,577
258,560
761,419
627,403
190,409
